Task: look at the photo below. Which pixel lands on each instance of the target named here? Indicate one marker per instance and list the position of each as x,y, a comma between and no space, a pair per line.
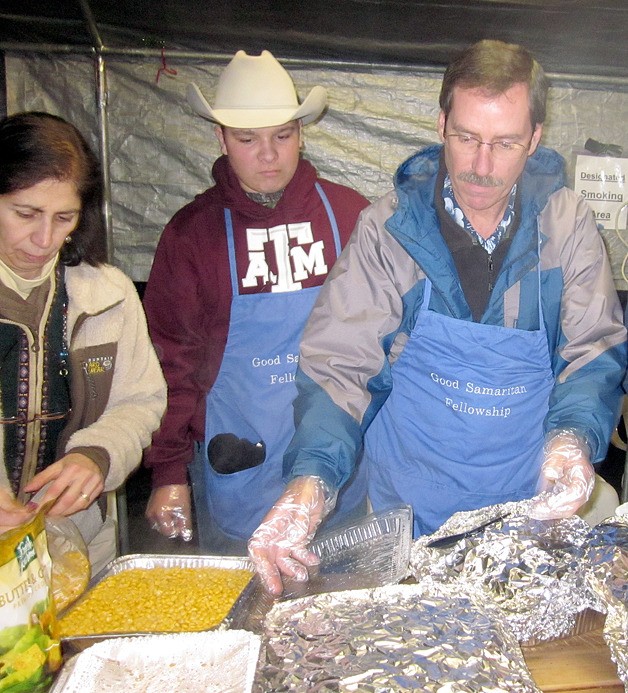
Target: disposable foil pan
77,643
401,638
374,552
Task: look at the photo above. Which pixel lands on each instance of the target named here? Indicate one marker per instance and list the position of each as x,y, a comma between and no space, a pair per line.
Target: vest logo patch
98,364
294,263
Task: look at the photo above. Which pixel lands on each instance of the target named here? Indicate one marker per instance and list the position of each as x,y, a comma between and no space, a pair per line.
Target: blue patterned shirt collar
452,208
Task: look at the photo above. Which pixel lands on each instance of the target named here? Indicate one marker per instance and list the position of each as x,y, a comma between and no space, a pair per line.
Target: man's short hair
496,66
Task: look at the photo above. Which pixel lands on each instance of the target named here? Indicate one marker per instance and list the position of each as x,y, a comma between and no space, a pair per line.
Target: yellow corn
70,575
165,600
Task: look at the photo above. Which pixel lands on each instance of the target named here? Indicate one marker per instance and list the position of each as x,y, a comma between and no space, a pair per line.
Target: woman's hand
74,483
12,512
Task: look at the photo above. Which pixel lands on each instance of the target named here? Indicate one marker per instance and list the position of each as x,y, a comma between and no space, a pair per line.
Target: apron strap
538,270
331,216
427,293
231,248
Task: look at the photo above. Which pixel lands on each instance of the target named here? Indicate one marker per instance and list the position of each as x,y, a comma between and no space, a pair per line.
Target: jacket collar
415,182
415,222
91,290
233,196
542,176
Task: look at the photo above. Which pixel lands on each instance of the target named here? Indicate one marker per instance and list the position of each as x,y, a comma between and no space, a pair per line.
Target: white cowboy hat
256,92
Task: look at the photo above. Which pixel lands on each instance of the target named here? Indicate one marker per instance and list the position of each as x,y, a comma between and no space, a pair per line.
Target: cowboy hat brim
257,117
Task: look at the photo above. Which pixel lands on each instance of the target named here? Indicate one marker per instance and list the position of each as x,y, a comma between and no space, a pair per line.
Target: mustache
484,181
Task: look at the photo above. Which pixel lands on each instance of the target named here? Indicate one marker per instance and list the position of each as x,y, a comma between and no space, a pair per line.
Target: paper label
601,180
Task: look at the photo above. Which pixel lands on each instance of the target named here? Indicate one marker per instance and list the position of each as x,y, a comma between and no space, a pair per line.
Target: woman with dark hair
81,390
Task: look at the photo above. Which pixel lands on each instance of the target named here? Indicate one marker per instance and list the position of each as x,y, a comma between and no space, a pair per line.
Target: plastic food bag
29,646
71,569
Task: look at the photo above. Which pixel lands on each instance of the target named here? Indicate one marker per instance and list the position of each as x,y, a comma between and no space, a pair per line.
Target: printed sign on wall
601,180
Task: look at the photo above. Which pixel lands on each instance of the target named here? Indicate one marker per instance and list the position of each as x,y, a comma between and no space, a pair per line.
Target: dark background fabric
569,37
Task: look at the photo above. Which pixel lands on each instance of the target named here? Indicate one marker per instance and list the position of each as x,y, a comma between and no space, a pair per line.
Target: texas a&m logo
294,264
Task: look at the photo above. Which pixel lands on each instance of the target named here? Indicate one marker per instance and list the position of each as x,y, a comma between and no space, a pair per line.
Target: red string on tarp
164,67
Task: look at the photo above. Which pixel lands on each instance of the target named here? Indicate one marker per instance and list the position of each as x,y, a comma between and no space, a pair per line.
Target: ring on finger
84,496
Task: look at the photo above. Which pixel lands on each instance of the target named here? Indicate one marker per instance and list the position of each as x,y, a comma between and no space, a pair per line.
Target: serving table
578,664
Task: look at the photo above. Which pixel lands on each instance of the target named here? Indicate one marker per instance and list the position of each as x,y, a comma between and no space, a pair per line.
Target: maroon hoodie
188,295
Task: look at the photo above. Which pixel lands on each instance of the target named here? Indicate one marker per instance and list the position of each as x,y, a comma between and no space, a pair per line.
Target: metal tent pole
103,129
102,96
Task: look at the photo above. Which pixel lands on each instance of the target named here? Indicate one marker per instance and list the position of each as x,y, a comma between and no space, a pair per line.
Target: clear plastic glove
567,476
169,510
279,545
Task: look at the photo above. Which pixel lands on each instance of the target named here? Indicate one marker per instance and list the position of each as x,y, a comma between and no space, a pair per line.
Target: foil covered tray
373,552
550,579
72,645
435,639
535,571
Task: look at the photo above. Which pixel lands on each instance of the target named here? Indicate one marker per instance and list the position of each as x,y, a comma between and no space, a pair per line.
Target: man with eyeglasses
469,341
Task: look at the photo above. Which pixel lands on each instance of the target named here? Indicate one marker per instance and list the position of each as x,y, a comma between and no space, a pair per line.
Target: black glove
596,147
228,453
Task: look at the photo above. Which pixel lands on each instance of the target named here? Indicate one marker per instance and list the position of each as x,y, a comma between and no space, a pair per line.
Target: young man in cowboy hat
234,278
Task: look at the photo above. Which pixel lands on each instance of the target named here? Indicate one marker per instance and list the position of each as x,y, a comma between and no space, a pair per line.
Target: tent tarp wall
161,154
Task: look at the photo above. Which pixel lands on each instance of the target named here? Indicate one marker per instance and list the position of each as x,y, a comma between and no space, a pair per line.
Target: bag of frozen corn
29,646
71,569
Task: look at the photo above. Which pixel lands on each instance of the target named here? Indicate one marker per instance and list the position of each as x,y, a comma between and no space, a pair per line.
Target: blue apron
252,398
463,425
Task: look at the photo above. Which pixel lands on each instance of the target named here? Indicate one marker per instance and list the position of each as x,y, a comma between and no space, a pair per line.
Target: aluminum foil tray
401,638
378,545
374,552
77,643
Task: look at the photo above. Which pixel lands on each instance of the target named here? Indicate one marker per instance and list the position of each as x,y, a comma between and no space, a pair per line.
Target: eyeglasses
502,149
45,416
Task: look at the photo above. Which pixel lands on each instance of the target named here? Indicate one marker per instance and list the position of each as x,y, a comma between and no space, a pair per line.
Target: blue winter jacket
370,302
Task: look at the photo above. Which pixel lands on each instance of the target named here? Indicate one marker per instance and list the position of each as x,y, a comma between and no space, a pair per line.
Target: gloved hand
567,476
279,545
169,510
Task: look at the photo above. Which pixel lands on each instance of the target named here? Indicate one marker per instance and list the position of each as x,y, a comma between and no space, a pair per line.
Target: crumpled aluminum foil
541,575
533,570
606,557
487,581
398,638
